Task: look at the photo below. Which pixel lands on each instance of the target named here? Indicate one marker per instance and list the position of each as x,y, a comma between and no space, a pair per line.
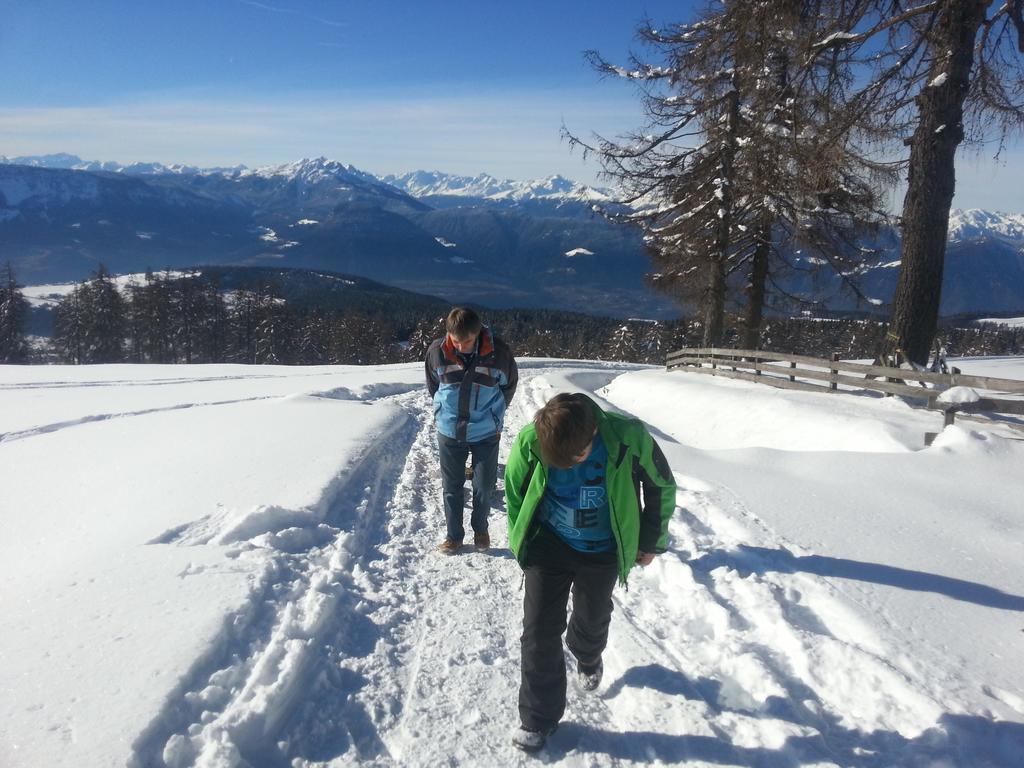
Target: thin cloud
293,12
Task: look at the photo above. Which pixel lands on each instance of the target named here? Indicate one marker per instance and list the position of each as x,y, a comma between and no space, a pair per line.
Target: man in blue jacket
472,377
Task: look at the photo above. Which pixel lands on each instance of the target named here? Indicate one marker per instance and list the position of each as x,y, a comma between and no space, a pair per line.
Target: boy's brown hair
565,427
463,322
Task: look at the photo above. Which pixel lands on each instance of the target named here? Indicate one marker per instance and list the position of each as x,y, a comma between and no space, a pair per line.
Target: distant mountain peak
305,166
436,183
57,160
972,223
316,170
65,161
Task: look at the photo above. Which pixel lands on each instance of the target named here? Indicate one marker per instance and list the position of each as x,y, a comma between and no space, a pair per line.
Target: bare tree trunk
756,288
714,305
932,180
714,298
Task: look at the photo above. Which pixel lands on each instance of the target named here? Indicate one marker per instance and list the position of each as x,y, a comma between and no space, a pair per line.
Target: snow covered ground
49,296
231,566
1013,322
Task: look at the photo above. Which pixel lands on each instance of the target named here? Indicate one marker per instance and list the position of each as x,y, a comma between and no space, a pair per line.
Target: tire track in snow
372,394
147,382
236,704
44,429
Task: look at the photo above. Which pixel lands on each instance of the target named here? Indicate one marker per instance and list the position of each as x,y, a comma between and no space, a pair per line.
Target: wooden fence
813,374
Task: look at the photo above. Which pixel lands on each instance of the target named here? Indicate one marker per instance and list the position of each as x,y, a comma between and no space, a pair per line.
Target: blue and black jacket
470,398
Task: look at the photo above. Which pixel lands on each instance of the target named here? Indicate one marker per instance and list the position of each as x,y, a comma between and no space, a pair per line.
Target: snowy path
359,644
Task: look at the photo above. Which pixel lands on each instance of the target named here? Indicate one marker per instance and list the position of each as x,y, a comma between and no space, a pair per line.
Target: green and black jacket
641,489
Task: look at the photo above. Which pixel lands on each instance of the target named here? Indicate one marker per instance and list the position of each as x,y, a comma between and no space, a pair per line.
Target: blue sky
386,85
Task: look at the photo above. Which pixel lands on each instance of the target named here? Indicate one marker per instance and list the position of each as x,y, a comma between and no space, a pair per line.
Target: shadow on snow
955,740
746,560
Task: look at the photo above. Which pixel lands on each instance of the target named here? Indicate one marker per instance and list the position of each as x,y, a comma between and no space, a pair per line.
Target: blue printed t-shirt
575,503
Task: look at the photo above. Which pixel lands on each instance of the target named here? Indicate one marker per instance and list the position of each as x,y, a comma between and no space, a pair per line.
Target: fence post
792,367
834,382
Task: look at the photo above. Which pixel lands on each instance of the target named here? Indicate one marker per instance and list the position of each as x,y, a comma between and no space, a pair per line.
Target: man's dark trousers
551,568
453,477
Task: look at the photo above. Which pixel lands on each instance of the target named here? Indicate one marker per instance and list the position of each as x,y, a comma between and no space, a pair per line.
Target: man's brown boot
450,546
482,541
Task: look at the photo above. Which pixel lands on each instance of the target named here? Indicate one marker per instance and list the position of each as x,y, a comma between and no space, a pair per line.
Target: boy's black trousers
551,569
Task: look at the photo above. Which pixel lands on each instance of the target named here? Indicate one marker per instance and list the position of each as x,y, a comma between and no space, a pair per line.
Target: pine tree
360,339
650,347
103,319
540,343
386,348
69,328
276,340
741,160
345,332
150,320
314,339
621,345
213,331
935,75
135,321
422,336
90,326
13,316
244,317
188,304
952,41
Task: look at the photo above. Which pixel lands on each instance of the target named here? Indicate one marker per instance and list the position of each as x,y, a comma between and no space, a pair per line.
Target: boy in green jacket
589,494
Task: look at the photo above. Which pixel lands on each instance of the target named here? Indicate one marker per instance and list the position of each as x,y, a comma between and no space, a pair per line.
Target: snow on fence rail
814,374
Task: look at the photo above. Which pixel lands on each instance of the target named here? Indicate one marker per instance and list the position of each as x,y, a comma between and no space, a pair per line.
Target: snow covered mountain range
485,186
504,250
964,224
505,243
69,162
974,223
416,183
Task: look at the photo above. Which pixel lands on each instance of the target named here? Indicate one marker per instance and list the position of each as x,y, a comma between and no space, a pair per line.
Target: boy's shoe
589,677
482,541
531,741
450,546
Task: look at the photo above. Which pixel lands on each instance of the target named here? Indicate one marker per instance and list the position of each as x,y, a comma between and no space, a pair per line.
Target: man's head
463,326
565,426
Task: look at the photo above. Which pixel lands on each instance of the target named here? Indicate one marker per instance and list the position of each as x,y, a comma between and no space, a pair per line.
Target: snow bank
959,395
718,414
